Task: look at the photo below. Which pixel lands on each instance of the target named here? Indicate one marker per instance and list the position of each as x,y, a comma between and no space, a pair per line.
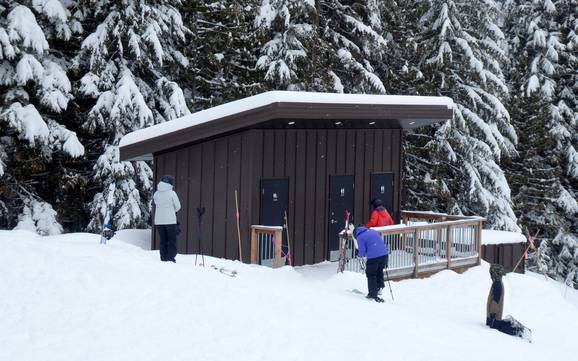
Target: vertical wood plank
310,197
350,153
279,159
350,170
233,183
396,167
378,151
257,137
207,193
290,152
321,199
194,169
331,153
278,234
360,175
248,156
387,150
368,169
268,153
300,204
220,221
340,152
254,247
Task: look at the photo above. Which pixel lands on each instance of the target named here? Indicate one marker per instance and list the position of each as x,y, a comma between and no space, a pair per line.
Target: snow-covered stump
266,244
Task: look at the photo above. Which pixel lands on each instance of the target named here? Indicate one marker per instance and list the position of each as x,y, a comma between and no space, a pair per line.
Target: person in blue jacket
371,245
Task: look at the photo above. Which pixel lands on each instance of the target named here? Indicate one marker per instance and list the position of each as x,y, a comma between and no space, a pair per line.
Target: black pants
168,244
374,273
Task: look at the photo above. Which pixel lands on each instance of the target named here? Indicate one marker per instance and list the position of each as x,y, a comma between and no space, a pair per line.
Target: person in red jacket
379,216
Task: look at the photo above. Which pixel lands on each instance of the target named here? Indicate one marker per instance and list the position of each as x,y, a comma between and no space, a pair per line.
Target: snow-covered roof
261,101
490,236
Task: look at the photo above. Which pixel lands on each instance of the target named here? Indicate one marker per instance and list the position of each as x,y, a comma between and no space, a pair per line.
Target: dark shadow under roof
290,110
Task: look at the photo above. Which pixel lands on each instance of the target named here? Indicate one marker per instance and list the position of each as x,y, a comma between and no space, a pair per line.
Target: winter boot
376,299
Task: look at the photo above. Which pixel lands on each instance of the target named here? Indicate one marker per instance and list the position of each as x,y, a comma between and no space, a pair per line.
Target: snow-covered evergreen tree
130,64
357,44
292,55
35,91
461,54
325,45
222,52
543,177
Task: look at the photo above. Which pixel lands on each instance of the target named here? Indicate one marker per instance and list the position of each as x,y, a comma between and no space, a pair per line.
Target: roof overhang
358,110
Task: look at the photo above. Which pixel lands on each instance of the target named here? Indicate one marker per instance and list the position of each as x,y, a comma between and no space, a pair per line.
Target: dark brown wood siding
208,174
507,255
308,158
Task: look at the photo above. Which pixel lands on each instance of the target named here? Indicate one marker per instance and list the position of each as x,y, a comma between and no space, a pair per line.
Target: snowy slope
68,298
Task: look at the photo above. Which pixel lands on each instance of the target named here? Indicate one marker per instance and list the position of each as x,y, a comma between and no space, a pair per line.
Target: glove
178,230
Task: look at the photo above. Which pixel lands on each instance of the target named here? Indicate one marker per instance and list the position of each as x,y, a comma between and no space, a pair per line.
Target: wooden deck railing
266,243
429,242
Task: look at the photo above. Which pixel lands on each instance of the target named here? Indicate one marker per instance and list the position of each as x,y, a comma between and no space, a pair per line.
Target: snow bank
66,297
500,237
271,97
137,237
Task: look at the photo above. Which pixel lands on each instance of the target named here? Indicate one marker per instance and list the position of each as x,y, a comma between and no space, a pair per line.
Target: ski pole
200,212
289,255
389,284
238,226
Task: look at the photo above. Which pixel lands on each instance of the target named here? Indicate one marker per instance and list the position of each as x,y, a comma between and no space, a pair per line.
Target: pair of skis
225,271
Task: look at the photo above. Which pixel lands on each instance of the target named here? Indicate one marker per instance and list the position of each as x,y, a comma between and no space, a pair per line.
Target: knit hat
168,179
376,203
496,271
360,228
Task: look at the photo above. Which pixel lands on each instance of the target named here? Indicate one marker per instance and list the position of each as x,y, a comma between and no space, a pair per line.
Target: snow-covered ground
69,298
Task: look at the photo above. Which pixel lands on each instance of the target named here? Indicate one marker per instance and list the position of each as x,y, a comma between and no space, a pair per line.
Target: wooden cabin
313,156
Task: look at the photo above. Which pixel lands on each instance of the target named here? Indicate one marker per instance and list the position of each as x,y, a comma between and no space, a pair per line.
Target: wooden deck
426,243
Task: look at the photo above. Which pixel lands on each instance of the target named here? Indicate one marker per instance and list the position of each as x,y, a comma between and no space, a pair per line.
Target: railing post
479,240
278,241
449,241
254,246
415,254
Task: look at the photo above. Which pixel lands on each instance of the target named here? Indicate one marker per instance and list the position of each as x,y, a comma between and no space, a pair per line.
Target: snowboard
521,331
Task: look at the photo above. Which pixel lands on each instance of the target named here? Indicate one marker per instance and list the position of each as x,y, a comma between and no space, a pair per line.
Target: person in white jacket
167,205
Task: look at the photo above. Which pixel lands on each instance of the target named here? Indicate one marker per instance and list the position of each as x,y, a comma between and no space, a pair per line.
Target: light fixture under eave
411,123
371,123
291,123
337,123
